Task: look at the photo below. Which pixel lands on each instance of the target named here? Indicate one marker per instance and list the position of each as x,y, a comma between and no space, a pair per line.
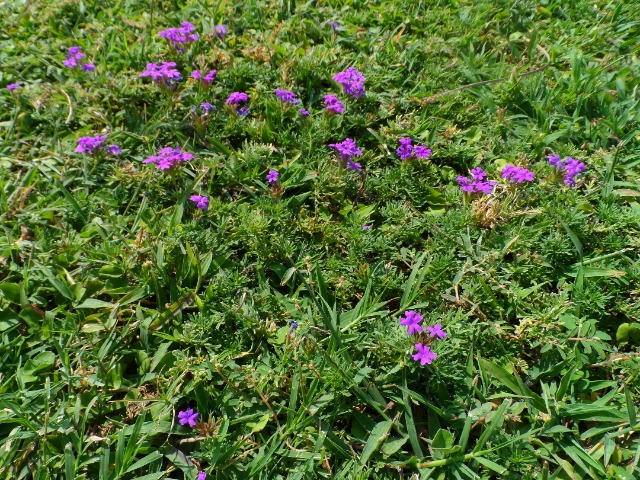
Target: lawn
334,239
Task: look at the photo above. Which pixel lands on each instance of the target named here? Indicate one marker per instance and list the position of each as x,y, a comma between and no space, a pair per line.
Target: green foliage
121,304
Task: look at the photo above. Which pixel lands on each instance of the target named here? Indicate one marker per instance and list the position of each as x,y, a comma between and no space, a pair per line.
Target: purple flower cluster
272,176
477,184
12,86
304,112
407,151
74,56
162,75
205,80
221,31
347,150
200,201
352,81
202,475
94,145
235,99
517,174
206,107
570,168
412,320
180,36
168,157
333,104
286,96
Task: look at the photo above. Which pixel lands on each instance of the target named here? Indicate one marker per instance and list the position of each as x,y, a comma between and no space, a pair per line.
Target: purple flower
366,227
201,203
113,150
243,111
188,417
407,151
180,36
205,80
272,176
478,184
162,75
12,86
517,174
424,355
436,331
74,55
202,475
347,150
169,157
206,106
286,96
352,81
304,112
88,67
335,26
554,159
411,319
572,169
90,145
221,31
333,104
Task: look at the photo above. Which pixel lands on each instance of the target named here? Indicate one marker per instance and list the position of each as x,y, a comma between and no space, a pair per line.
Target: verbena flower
569,167
88,67
554,159
243,111
347,149
169,157
366,227
235,99
333,104
424,355
517,174
188,417
205,80
163,75
221,31
436,331
352,81
74,55
334,26
113,150
407,150
180,36
202,475
200,201
411,319
206,107
90,145
304,112
286,96
476,184
12,86
272,176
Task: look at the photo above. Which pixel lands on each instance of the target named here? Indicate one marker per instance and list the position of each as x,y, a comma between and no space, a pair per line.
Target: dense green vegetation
122,304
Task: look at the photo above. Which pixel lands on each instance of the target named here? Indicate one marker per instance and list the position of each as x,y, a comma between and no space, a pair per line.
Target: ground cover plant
339,240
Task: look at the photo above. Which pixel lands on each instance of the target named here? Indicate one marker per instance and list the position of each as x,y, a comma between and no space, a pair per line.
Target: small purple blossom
304,112
243,111
407,150
205,80
347,149
113,150
188,417
570,168
554,159
517,174
436,331
476,184
235,99
180,36
411,319
352,81
333,104
162,75
334,26
424,355
202,475
169,157
366,227
90,145
88,67
221,31
272,176
206,106
12,86
286,96
74,55
200,201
